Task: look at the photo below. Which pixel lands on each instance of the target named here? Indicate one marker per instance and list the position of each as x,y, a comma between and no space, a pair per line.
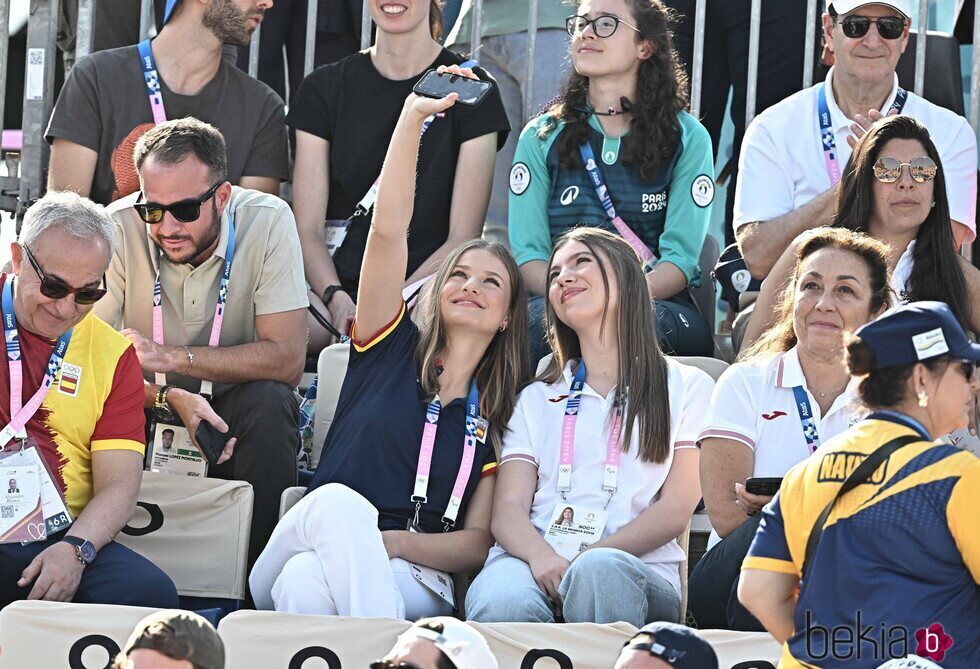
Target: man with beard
112,97
207,282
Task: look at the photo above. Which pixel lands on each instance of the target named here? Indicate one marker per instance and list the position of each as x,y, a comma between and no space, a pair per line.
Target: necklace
625,108
832,392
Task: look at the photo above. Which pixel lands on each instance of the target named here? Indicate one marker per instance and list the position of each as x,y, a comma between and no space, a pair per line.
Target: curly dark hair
661,91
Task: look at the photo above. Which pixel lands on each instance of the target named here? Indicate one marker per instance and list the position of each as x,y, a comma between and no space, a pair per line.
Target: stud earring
923,399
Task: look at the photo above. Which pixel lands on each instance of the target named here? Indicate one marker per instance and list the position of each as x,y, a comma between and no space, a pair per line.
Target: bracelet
190,360
328,294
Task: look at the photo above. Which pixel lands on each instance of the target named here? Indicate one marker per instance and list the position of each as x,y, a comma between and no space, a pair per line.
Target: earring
923,399
502,328
933,204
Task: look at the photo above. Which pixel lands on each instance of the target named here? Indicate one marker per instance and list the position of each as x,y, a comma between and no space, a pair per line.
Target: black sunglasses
968,367
388,664
602,26
56,289
184,211
889,27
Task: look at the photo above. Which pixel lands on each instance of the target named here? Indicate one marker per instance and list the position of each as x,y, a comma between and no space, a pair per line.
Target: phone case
426,88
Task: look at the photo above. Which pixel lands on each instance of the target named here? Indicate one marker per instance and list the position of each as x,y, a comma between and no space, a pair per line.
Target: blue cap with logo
677,645
917,332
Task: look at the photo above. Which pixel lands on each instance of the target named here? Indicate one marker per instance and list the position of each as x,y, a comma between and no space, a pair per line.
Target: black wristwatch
328,294
161,410
84,550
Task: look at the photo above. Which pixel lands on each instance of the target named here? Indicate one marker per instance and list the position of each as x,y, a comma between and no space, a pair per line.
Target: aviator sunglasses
888,170
602,26
57,289
184,211
889,27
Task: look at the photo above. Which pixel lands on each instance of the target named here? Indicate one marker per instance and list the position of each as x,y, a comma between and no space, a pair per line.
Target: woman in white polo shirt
790,391
608,430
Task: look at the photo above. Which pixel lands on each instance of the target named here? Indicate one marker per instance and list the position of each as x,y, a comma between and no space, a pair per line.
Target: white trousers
326,556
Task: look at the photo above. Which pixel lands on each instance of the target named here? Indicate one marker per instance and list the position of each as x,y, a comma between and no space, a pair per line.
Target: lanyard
152,81
465,466
807,420
827,131
610,473
902,419
219,308
624,230
19,415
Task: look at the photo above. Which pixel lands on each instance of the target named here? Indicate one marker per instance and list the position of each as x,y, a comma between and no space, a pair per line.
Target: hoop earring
923,399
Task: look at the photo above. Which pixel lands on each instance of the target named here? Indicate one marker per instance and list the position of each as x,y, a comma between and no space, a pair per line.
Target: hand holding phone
435,84
767,486
210,441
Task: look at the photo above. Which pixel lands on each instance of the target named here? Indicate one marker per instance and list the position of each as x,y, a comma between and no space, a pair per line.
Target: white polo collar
789,374
841,122
587,390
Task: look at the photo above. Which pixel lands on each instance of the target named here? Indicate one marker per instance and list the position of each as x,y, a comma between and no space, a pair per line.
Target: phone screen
435,85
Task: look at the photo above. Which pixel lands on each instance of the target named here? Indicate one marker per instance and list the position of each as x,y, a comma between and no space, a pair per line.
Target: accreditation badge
334,234
21,515
173,452
437,581
57,517
574,528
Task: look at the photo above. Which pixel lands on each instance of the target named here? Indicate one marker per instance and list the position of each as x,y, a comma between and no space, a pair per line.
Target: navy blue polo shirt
373,443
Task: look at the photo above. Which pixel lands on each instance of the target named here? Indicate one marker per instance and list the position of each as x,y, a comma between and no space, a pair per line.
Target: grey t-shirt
104,106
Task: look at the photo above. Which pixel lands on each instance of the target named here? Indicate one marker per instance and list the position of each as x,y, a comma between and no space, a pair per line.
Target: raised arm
386,253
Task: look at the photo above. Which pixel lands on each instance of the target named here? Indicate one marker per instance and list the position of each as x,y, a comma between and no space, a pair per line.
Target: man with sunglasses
71,406
207,281
794,152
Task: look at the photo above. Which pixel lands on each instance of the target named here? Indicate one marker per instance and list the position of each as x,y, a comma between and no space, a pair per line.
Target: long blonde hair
504,368
642,367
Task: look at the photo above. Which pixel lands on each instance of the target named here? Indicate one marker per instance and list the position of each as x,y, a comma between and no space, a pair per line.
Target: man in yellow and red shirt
87,425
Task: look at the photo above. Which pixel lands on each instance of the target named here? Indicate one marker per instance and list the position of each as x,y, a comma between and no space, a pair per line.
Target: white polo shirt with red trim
534,436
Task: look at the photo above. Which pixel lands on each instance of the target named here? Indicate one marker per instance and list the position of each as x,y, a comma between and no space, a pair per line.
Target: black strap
860,475
322,320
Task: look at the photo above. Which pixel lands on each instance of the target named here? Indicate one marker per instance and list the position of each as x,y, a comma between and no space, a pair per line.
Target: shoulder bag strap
860,475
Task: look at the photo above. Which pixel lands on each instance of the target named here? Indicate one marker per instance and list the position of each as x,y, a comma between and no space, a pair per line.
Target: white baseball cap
910,662
847,6
463,645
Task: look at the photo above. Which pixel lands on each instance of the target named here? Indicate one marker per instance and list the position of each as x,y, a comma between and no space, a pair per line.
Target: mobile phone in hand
435,85
211,442
767,486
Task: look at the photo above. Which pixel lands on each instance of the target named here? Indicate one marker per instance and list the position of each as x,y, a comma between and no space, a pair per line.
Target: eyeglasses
602,26
184,211
888,170
388,664
889,27
56,289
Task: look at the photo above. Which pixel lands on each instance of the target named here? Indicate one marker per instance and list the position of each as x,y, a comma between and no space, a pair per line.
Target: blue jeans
118,576
603,585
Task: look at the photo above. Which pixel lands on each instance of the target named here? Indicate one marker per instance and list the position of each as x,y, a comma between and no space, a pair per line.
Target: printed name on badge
173,452
574,528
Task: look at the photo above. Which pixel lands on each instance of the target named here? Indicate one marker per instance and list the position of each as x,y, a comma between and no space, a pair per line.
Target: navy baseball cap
917,332
677,645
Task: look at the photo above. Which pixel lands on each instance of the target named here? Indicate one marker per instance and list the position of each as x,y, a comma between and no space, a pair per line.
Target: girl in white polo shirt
790,392
608,431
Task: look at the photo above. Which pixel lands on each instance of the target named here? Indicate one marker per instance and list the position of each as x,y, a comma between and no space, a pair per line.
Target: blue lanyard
152,80
648,257
19,415
169,10
902,419
827,138
807,420
427,447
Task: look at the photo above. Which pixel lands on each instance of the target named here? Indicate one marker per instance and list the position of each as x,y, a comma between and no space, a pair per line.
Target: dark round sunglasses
56,289
968,367
889,27
602,26
184,211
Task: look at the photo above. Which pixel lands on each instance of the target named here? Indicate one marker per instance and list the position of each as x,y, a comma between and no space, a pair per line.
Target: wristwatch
84,550
161,410
328,294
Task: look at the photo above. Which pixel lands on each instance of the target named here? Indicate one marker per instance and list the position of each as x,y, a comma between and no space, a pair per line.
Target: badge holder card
57,517
21,513
439,582
173,452
574,528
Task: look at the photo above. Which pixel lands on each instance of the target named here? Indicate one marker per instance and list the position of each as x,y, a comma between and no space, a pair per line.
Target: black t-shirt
373,443
349,104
